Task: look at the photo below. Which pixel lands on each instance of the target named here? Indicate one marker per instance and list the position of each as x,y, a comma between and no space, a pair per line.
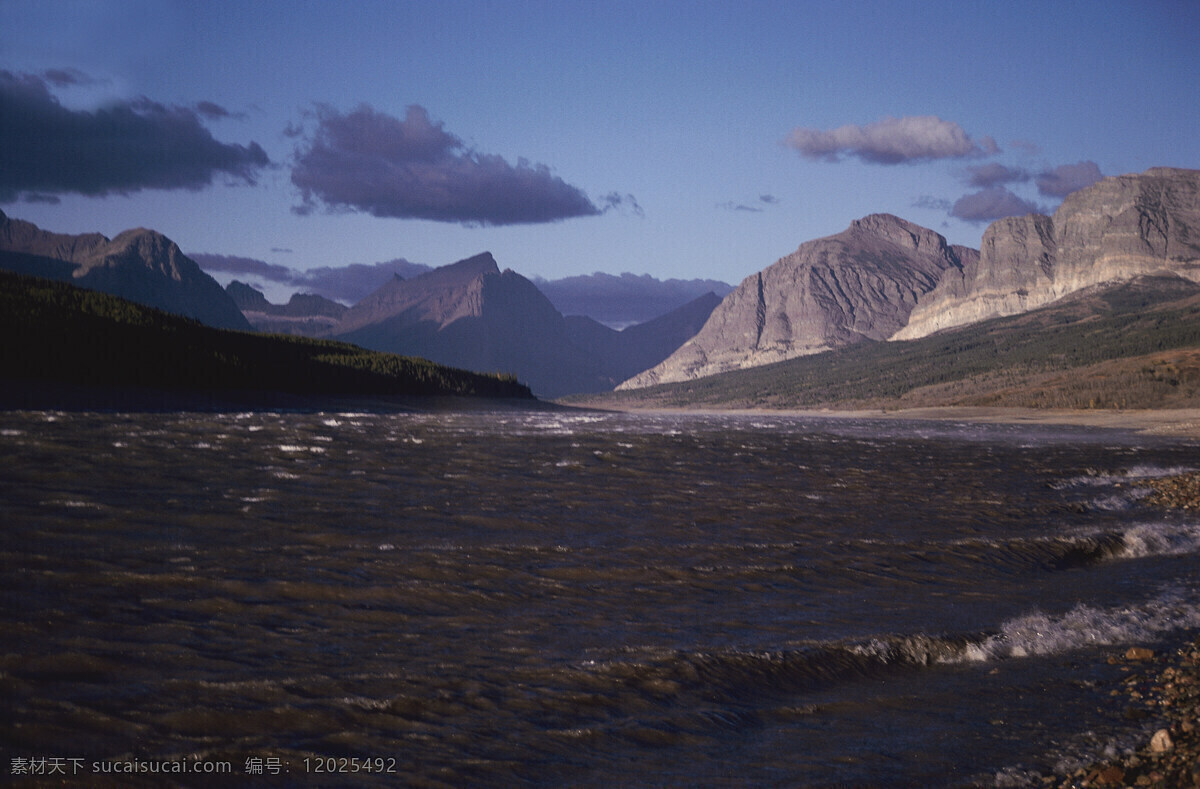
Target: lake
548,598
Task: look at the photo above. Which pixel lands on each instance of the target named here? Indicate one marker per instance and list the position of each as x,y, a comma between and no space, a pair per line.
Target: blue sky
688,140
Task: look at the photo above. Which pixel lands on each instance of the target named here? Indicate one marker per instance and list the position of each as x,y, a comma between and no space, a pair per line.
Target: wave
733,677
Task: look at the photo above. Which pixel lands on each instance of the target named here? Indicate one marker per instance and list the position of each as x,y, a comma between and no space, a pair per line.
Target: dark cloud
768,199
992,203
282,249
47,149
1067,178
614,201
414,169
215,112
348,284
929,201
919,138
993,174
68,77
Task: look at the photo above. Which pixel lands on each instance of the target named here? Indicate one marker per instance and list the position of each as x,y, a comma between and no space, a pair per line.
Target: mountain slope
471,315
57,335
857,285
1117,229
140,265
1134,344
625,353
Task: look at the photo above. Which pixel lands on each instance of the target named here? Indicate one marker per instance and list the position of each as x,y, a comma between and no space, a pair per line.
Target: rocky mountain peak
140,265
897,231
857,285
145,249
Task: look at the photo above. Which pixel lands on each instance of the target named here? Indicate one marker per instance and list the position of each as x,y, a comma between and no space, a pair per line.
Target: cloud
343,283
1067,178
1028,147
929,201
992,174
757,208
68,77
355,281
47,149
992,203
414,169
215,112
914,138
614,201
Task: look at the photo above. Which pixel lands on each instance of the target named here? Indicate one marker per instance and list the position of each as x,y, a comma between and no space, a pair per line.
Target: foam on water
1037,633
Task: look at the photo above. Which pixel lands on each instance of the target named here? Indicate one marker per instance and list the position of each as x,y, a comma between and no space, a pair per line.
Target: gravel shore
1166,686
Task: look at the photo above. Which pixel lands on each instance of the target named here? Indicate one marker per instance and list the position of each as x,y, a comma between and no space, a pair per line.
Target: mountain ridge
140,265
1118,228
856,285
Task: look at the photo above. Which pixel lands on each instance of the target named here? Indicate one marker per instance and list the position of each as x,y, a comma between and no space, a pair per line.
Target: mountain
305,314
248,297
1117,229
471,315
65,345
625,300
140,265
639,347
860,284
1131,344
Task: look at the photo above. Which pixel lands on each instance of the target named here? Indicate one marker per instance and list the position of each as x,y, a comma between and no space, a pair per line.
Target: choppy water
546,598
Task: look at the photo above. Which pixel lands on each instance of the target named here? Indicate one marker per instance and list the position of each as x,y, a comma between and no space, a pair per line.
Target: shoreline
1166,686
1181,422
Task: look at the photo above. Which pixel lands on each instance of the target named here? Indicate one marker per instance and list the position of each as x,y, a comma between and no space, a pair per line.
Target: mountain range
886,279
882,282
141,265
470,314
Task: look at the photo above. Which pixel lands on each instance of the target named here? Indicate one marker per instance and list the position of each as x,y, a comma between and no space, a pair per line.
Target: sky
676,139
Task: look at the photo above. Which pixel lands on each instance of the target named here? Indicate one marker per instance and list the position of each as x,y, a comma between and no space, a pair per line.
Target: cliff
860,284
1116,230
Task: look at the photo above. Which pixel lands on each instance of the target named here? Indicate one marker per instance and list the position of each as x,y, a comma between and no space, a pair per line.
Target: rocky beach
1161,686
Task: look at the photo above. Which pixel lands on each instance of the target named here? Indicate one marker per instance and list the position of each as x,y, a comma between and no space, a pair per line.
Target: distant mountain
857,285
1117,229
140,265
68,345
625,300
305,314
641,346
470,314
1131,344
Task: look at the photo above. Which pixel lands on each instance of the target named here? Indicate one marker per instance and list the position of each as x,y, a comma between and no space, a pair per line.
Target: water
555,598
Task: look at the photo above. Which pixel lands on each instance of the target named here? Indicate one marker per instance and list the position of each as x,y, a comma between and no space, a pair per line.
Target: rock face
140,265
860,284
1117,229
